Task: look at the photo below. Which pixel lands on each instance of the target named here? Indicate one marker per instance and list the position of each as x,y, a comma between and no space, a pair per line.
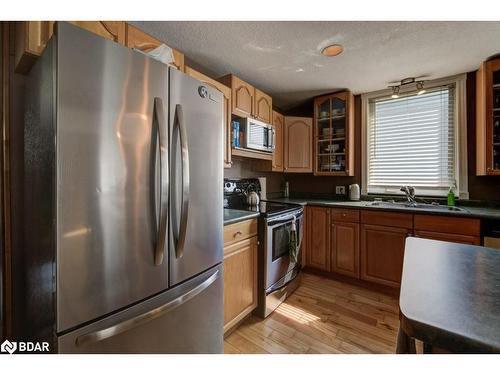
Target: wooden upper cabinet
279,124
242,95
334,134
263,106
138,39
248,101
112,30
318,237
32,36
488,118
226,92
30,40
298,144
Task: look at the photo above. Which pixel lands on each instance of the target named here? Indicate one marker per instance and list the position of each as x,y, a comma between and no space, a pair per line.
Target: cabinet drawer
345,214
390,219
447,224
239,231
450,237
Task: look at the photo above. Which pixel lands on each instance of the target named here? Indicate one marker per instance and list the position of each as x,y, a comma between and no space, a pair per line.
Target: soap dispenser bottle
451,195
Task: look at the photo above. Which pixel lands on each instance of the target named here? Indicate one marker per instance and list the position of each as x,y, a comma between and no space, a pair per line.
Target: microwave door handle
159,133
273,138
181,239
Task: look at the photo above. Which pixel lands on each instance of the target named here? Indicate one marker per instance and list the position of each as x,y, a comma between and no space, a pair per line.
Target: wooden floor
322,316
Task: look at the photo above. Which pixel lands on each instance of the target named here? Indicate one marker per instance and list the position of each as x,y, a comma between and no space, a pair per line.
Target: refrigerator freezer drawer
185,319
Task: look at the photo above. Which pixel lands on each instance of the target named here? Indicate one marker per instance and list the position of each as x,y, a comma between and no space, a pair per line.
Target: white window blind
411,141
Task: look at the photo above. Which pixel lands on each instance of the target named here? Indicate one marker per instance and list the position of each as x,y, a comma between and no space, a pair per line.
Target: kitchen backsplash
243,168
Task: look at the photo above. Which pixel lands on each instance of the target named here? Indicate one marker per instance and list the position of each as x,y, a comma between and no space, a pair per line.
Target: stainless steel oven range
279,263
280,238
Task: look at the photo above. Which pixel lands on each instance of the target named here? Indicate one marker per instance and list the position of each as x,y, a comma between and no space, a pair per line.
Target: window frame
460,125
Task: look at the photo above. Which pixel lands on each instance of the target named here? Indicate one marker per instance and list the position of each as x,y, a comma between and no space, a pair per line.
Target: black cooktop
268,209
235,191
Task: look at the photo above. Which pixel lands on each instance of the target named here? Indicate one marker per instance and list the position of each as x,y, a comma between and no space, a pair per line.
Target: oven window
281,239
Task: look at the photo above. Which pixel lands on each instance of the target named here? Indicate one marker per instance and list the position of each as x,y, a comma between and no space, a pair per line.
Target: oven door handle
281,220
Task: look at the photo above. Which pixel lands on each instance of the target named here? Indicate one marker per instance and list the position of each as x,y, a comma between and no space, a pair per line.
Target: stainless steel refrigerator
123,203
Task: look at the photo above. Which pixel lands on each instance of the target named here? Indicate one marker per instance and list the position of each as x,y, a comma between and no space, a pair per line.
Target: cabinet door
240,281
450,237
278,123
263,107
138,39
112,30
334,134
382,250
345,248
226,91
318,235
30,40
242,97
298,144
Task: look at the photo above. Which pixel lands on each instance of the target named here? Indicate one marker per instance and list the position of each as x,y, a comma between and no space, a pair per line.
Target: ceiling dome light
420,88
395,92
332,50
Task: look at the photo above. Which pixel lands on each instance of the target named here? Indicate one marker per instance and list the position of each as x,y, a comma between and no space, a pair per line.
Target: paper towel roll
263,188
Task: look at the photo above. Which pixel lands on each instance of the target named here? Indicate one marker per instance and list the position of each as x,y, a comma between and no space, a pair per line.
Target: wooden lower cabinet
382,251
318,237
240,272
369,244
345,248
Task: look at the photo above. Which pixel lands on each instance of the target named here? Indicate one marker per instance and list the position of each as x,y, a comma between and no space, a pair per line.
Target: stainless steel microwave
257,135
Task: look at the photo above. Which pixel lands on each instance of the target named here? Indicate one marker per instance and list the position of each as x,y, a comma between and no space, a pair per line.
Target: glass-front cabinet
488,118
334,134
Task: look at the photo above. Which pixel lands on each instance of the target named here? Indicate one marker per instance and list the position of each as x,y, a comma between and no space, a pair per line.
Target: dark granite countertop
450,295
473,211
234,216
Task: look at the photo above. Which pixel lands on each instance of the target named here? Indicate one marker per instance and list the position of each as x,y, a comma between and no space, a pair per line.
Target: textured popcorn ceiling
284,59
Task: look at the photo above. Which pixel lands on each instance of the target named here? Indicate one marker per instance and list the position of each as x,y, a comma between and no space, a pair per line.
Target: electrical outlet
340,190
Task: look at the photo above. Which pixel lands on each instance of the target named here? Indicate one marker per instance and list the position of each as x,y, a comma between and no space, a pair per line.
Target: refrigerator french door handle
163,225
181,239
126,325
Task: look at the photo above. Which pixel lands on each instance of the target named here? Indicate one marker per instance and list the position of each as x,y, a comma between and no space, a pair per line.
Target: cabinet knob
344,214
238,233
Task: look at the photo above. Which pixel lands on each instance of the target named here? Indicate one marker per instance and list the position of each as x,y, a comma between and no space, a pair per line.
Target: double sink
416,206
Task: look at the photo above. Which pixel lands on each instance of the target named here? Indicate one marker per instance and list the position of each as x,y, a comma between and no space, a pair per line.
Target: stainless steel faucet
410,194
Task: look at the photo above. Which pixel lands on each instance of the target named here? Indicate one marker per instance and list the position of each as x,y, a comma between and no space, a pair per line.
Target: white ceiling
284,59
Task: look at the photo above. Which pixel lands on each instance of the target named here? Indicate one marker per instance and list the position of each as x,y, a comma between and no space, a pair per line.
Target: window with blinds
411,141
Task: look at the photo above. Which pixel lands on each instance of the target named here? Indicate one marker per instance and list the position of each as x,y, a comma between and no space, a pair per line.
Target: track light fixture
407,81
395,92
420,87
